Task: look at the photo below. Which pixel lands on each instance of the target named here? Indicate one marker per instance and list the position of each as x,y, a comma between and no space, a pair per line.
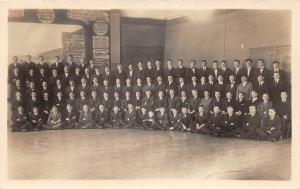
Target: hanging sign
100,27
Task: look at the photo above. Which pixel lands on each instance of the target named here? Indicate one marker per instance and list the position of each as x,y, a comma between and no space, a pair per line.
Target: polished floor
139,154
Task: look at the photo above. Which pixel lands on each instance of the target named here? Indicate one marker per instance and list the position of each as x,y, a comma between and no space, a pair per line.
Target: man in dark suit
109,76
130,73
262,70
131,117
140,72
15,64
225,71
170,70
173,101
204,70
277,69
192,71
181,70
237,71
72,65
158,70
120,74
57,65
149,70
276,87
250,71
283,108
102,117
231,86
251,123
261,86
43,65
216,70
30,65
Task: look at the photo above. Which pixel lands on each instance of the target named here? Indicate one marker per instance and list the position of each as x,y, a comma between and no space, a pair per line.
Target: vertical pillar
88,29
115,35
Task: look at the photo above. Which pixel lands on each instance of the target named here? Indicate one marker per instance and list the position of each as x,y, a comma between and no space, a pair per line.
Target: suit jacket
59,67
85,117
205,73
181,72
267,123
215,120
162,118
238,74
230,121
276,89
194,103
161,103
171,72
251,74
131,117
56,118
201,119
148,103
216,72
252,121
261,89
231,87
158,72
131,75
174,102
70,117
101,117
265,73
107,104
226,73
46,68
192,72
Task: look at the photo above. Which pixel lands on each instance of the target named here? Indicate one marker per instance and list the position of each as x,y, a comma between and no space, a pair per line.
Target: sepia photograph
133,94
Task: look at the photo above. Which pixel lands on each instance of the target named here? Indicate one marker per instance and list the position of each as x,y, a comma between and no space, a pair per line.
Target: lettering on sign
100,42
101,54
46,16
87,15
100,27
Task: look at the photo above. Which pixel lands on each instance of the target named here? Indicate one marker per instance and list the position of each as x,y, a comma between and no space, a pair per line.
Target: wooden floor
139,154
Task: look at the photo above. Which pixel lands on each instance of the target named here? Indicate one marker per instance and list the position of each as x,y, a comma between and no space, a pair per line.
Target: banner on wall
75,47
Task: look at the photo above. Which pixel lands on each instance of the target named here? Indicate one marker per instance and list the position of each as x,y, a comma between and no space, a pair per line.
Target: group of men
245,101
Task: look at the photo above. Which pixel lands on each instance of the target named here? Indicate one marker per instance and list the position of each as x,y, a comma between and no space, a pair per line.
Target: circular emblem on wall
46,16
100,27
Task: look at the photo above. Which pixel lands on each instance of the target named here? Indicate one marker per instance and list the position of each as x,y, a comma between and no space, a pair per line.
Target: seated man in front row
20,121
214,122
150,123
70,117
251,123
270,127
229,123
85,118
101,117
201,120
116,121
131,117
36,120
54,119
